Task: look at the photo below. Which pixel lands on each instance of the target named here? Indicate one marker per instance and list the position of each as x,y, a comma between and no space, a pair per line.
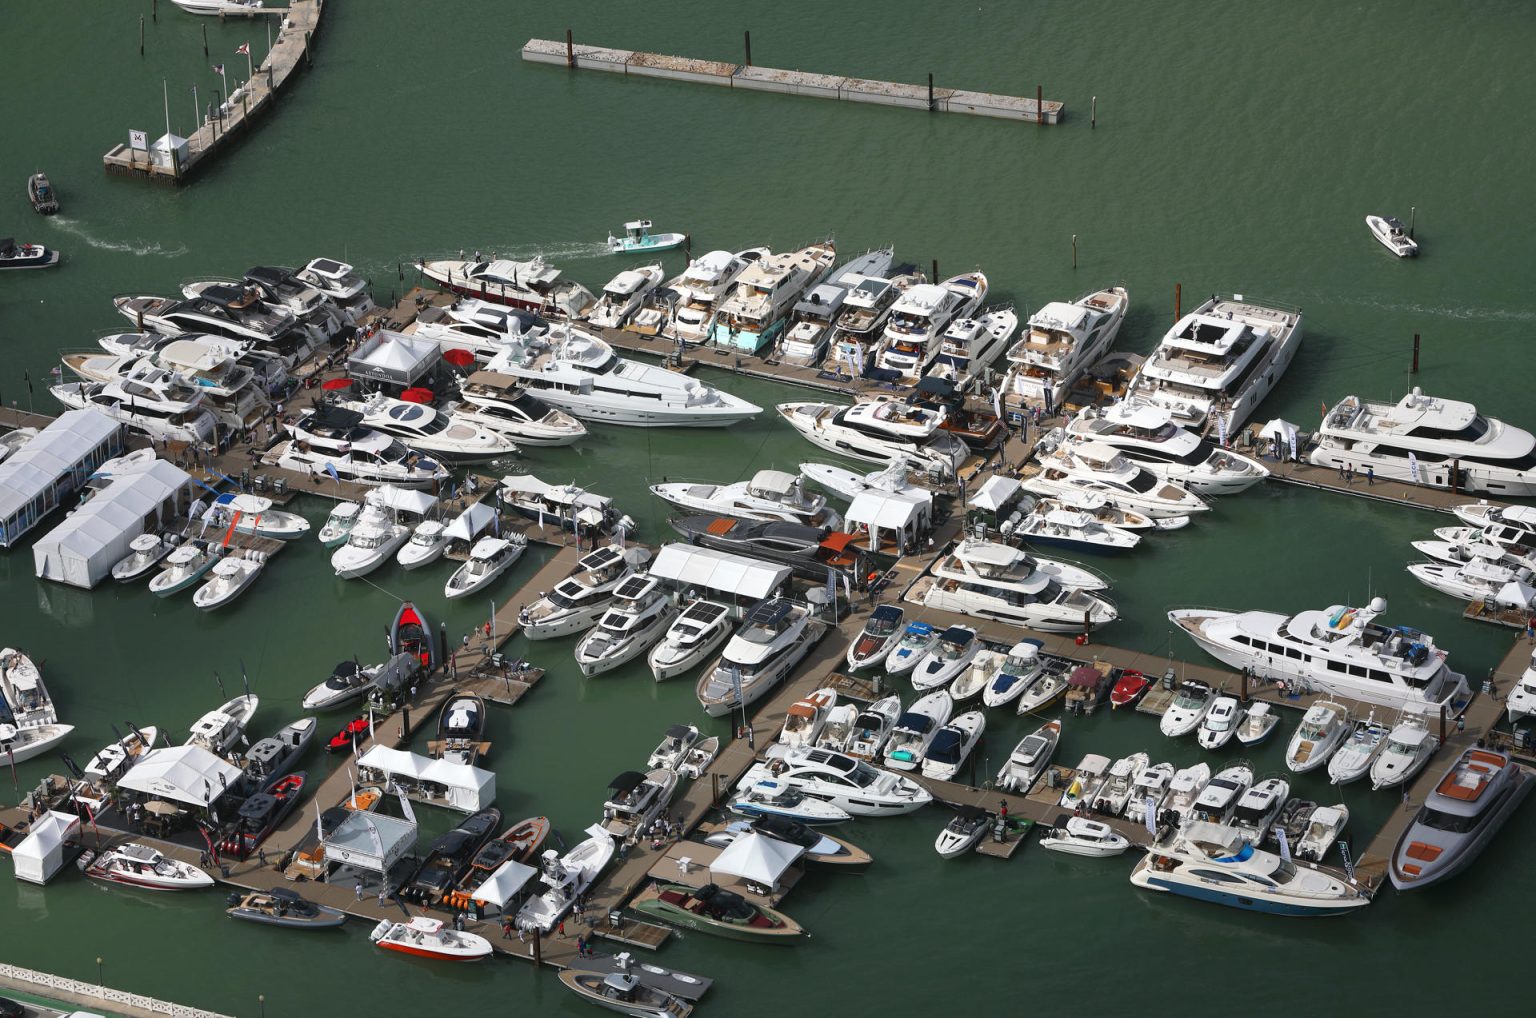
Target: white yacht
1151,790
373,541
623,296
339,523
154,403
1000,582
698,290
1323,728
1060,342
441,434
701,627
145,552
489,557
1019,668
915,642
1353,760
1408,748
775,635
857,328
1190,705
950,655
1521,701
880,431
881,632
867,736
580,374
1340,650
428,540
1184,789
501,404
1119,783
1074,528
970,345
1220,723
639,615
340,282
218,730
22,691
329,439
913,332
275,290
1508,524
1389,230
1094,468
1147,435
947,753
851,785
239,314
806,717
762,297
1029,759
476,326
230,577
803,343
1422,438
1258,807
579,600
1219,797
532,285
769,495
184,566
212,367
1488,576
1218,363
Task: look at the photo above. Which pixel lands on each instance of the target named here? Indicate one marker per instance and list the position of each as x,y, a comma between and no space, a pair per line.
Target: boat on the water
625,993
44,199
1472,800
283,906
639,238
1392,235
712,909
429,938
139,865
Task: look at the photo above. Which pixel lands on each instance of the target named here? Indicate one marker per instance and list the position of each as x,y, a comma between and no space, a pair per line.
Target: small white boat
1390,232
838,727
222,727
488,559
339,523
1015,675
114,759
1322,729
1220,723
911,648
1081,836
872,727
370,544
674,746
348,682
882,631
915,730
699,757
231,575
1087,779
985,666
951,654
804,719
960,835
143,866
638,238
1408,748
20,744
624,295
219,7
184,567
1185,788
1323,828
690,639
1151,789
429,938
1112,796
254,515
1029,759
947,753
1259,721
426,545
144,554
1045,687
1352,761
767,797
1189,707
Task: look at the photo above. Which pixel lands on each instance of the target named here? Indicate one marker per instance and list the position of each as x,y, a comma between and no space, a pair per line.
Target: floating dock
633,63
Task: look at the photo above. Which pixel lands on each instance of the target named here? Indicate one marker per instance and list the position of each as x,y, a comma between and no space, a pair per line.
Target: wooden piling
309,60
205,38
141,35
1455,477
1074,250
154,10
1415,369
1093,113
1245,685
1178,297
1040,104
538,950
747,37
570,50
1413,213
1442,724
935,277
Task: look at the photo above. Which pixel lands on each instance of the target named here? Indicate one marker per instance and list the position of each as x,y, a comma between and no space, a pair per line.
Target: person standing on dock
1370,474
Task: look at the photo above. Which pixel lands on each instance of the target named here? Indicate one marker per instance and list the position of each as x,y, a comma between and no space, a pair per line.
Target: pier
291,51
634,63
93,995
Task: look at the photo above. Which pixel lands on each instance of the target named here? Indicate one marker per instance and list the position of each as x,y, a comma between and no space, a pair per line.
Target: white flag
1285,843
1151,817
853,365
1292,437
1413,468
405,805
1221,429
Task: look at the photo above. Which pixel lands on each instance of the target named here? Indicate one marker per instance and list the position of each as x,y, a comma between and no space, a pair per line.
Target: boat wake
138,247
557,251
1466,313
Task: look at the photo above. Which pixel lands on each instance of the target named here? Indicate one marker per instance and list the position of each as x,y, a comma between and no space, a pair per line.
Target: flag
1285,843
1413,468
1151,816
218,68
1349,864
853,367
1324,411
244,50
330,468
319,827
405,805
1221,428
1292,437
831,585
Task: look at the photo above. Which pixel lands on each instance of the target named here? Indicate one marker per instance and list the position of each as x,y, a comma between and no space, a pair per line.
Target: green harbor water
1238,147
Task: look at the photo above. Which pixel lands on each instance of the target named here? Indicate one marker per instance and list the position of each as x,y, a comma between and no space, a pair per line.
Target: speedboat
805,718
255,516
769,495
267,761
1472,800
1185,788
1152,787
579,600
1353,760
639,238
712,909
952,744
499,403
449,855
986,666
1408,748
760,300
866,739
488,559
565,506
1149,436
914,730
697,760
1130,687
184,567
1087,778
1060,342
1189,707
532,285
565,878
1074,528
411,633
1045,686
819,848
429,938
1016,673
915,642
1081,836
765,796
144,554
773,638
143,866
964,830
1469,548
639,616
852,785
461,728
1098,469
1258,807
26,256
339,523
838,727
879,636
260,814
1105,512
332,442
623,296
1322,729
348,681
997,581
674,746
370,544
231,576
219,729
1291,822
21,744
116,758
1220,723
441,434
701,627
1258,723
951,654
1251,878
23,696
625,993
1111,797
1323,829
1029,759
428,541
880,430
44,199
282,906
1389,230
1219,798
219,7
636,800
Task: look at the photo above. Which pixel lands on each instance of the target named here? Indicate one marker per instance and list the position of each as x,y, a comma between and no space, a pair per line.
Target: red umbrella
332,384
459,358
418,395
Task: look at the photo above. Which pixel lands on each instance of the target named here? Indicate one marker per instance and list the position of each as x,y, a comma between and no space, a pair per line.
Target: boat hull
1216,896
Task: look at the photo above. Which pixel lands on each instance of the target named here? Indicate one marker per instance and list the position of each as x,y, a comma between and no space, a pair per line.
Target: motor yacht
969,825
1059,343
625,993
970,345
702,626
500,404
489,557
579,600
1147,435
230,577
256,516
1081,836
1220,795
1340,650
1324,827
154,403
638,617
339,523
1111,797
476,327
1258,807
761,299
1220,723
1408,748
695,295
1489,577
1184,790
26,256
1073,528
811,552
1507,524
1006,584
950,655
576,372
332,442
1105,512
623,296
441,434
851,785
145,553
1029,759
1087,778
1470,547
1190,705
765,796
218,730
893,478
1150,791
872,727
1521,701
372,542
881,632
915,729
1257,724
913,333
531,285
1323,728
216,368
1463,813
230,313
566,506
1096,468
144,866
636,800
341,283
773,638
184,567
768,495
952,744
858,326
1187,860
804,340
806,717
1218,363
1354,757
880,430
915,643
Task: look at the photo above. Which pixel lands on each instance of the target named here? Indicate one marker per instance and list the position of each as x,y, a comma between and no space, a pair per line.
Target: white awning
83,549
503,885
407,500
720,571
470,523
888,511
1283,430
188,774
40,855
457,786
757,858
369,841
993,495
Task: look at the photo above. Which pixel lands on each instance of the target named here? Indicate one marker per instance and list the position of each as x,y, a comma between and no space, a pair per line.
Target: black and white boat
1389,230
25,256
44,199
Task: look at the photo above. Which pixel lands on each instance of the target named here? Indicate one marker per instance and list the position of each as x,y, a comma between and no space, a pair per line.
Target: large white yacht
970,345
856,329
229,388
340,282
275,288
997,581
532,285
269,366
694,295
639,616
482,328
760,301
1147,435
1092,467
1339,650
623,295
154,402
1420,440
913,331
580,374
499,403
804,340
852,785
330,439
579,600
772,639
1219,362
879,431
1060,342
442,434
768,495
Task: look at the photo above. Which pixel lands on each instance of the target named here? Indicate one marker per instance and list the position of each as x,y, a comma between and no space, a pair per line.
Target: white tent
1278,428
995,494
757,858
719,571
1516,594
394,358
904,515
369,841
403,500
457,786
40,854
82,550
502,886
34,478
188,774
472,522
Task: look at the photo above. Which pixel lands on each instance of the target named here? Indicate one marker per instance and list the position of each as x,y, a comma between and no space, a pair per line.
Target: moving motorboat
1190,705
429,938
1408,748
640,614
952,744
283,906
1472,800
1258,807
144,553
1389,230
625,993
1353,759
968,826
774,636
428,540
1258,723
461,729
950,655
1323,829
532,285
441,434
639,238
1059,343
998,581
1018,671
1151,789
230,577
1087,778
1148,435
866,738
917,639
880,430
144,866
1081,836
1220,723
1075,468
711,909
44,199
1220,795
184,567
218,730
488,559
623,296
499,403
881,632
805,718
1324,726
701,627
26,256
1029,759
579,600
852,785
765,796
769,495
908,739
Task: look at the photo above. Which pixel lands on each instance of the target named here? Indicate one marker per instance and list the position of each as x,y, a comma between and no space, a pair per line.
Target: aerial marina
729,578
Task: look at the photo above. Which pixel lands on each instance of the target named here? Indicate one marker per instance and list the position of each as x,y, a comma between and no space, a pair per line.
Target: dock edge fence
44,984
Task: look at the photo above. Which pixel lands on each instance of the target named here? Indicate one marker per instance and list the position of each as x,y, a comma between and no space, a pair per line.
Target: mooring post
747,36
1413,213
154,10
570,50
1093,113
688,246
1178,296
141,35
538,947
932,279
1415,369
1442,724
1245,684
1074,250
930,91
308,59
1456,477
1039,104
205,38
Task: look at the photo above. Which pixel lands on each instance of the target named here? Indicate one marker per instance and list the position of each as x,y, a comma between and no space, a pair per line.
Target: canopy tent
40,854
905,515
719,571
1516,594
403,500
471,523
1284,435
504,885
35,478
555,494
368,841
188,774
82,550
394,358
758,858
457,786
995,494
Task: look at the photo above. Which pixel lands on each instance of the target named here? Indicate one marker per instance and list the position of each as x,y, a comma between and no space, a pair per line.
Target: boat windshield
1313,731
1451,823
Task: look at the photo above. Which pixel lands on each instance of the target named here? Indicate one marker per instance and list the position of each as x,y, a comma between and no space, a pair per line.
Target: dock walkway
94,995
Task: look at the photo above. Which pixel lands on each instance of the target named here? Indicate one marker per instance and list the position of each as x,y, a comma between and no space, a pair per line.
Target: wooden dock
633,63
291,51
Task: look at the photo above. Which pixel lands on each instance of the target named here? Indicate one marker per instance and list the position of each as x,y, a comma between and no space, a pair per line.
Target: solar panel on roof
769,612
632,586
